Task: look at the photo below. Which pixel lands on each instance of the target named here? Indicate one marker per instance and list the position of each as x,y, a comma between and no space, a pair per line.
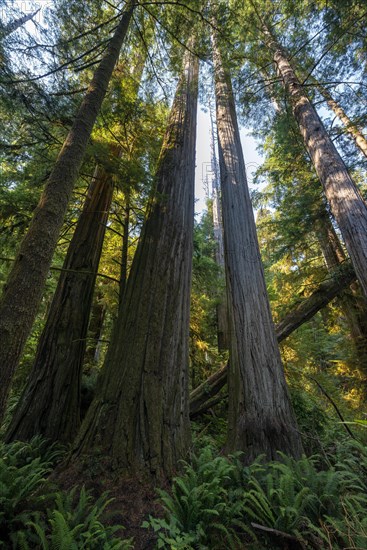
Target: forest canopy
172,380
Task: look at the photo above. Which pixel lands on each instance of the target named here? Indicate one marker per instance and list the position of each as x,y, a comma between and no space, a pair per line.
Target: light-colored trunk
346,203
140,416
351,128
23,291
261,419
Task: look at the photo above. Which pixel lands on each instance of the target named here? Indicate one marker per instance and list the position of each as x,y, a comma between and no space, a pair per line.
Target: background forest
172,381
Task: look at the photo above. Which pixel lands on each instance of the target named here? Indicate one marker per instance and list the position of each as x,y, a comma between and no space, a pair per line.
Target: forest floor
132,500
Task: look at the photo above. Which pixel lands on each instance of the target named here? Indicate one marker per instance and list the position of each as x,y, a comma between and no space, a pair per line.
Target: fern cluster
218,503
35,515
74,524
203,509
24,468
296,496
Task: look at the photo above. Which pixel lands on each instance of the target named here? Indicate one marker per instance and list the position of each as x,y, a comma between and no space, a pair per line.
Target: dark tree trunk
50,404
97,317
351,302
23,291
125,247
330,245
222,307
261,419
140,416
326,292
346,203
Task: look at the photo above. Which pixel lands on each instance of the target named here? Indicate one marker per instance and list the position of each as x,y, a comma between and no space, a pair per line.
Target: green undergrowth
318,502
35,514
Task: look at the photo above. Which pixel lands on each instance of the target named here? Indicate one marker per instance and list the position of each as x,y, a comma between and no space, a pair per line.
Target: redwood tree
303,312
50,404
261,419
23,291
222,309
346,203
140,415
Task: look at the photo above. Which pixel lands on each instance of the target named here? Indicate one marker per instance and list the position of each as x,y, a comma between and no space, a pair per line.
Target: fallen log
207,405
324,293
296,542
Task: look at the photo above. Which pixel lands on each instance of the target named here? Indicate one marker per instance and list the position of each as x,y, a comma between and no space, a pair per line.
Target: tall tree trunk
222,307
350,127
140,416
50,404
302,313
330,245
97,317
125,247
346,203
261,419
352,303
23,291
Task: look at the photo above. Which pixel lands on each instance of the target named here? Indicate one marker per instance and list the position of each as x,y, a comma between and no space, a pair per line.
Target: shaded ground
133,499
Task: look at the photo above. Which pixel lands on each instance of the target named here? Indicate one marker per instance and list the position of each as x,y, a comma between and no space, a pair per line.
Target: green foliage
203,510
75,523
209,431
291,495
24,468
208,289
312,419
33,514
350,528
219,502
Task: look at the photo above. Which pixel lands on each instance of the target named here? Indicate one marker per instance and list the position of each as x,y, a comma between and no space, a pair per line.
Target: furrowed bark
222,307
323,295
97,317
125,247
50,403
23,291
346,203
261,419
140,416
